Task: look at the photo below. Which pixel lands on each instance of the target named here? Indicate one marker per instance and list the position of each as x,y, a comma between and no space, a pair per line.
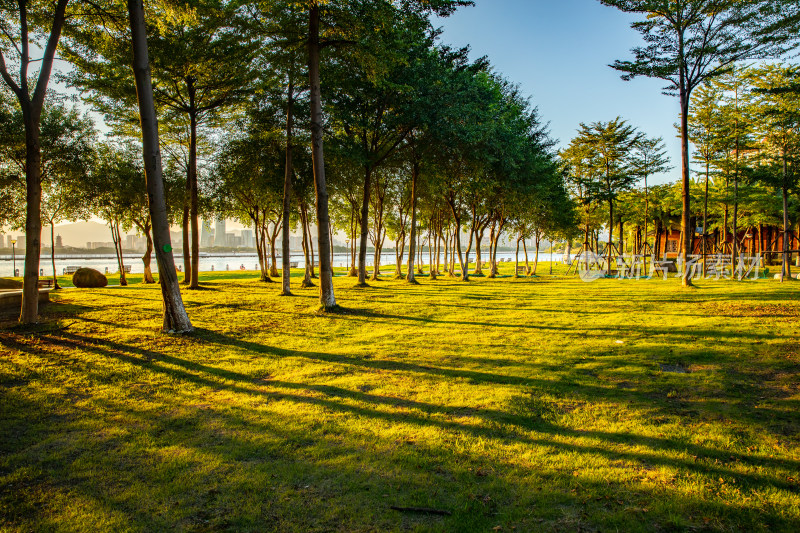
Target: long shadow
149,359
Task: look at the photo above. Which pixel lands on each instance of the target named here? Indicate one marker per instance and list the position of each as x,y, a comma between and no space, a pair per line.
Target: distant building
135,242
219,233
248,238
177,238
206,235
59,242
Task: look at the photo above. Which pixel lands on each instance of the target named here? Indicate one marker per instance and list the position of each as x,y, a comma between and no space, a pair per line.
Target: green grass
527,405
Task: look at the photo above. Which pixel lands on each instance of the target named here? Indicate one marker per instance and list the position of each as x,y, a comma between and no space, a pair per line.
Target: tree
339,35
610,147
687,43
175,317
777,115
201,57
704,132
38,28
66,140
649,157
248,183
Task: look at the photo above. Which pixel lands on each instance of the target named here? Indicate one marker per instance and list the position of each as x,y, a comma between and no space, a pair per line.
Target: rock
88,278
10,284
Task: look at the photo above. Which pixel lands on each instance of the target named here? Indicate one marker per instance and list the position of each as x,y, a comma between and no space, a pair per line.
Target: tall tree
175,317
37,27
67,146
777,113
649,157
610,147
201,56
689,42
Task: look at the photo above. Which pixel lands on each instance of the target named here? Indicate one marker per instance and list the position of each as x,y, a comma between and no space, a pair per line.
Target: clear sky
558,51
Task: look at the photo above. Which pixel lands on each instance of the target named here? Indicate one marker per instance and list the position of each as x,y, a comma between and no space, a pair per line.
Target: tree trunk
123,278
431,269
265,256
610,236
362,245
273,237
412,238
187,253
785,267
53,255
175,317
457,238
29,313
525,250
536,256
735,248
313,264
478,258
516,259
465,262
705,219
31,115
327,298
146,258
446,239
686,279
286,254
306,238
194,204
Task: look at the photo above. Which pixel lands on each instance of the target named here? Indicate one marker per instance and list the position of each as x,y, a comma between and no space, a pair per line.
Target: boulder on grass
9,284
89,278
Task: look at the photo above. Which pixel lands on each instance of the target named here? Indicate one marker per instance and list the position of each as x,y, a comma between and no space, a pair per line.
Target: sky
558,52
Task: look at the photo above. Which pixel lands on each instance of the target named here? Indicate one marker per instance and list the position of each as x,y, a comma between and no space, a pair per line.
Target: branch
49,54
7,77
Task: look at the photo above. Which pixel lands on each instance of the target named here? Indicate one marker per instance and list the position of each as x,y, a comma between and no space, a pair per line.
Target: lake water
215,262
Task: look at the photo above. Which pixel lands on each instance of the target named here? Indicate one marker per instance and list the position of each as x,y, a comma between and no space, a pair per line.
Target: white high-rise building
248,239
219,233
206,234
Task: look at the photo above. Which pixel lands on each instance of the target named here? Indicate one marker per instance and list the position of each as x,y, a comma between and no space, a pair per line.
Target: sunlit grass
543,404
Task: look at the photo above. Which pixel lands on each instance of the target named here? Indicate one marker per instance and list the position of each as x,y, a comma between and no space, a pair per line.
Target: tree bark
273,237
175,317
306,238
362,243
31,108
53,255
193,200
785,266
187,252
525,251
610,236
146,258
478,259
412,238
327,298
685,94
286,259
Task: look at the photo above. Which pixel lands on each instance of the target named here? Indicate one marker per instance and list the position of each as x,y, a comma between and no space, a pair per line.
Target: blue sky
558,51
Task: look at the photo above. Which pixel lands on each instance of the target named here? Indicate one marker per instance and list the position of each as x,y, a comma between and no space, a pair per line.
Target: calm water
215,263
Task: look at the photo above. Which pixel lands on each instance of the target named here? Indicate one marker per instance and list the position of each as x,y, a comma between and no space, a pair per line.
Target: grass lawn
543,404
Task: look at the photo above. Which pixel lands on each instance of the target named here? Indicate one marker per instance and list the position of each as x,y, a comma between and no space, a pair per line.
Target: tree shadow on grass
206,375
182,428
